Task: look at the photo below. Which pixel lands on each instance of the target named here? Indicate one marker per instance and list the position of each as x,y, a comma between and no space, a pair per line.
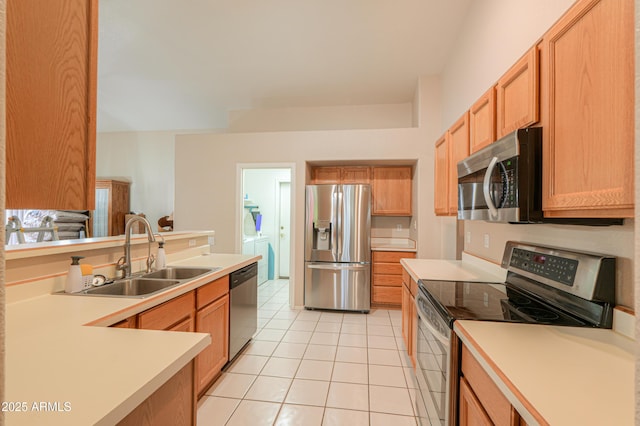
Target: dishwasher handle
243,275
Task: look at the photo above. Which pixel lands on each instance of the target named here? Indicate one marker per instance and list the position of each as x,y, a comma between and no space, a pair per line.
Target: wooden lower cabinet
409,315
173,404
386,281
472,412
482,400
169,314
212,319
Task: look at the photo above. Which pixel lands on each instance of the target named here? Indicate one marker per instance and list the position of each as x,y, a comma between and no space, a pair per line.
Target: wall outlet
415,225
486,241
399,227
468,237
192,243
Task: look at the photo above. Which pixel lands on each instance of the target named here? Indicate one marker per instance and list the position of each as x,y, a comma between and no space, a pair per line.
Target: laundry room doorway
265,222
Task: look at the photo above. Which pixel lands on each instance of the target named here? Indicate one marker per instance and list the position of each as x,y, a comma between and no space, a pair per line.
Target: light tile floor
315,368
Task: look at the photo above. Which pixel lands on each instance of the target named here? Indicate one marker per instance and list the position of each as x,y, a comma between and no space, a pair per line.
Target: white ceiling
183,64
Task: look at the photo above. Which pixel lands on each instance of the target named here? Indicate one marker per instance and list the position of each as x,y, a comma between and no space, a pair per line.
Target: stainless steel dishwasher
243,314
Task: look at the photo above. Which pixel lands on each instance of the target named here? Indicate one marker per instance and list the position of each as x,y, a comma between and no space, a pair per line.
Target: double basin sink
148,284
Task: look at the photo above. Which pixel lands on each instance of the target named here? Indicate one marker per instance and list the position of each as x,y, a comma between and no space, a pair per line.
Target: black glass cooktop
460,300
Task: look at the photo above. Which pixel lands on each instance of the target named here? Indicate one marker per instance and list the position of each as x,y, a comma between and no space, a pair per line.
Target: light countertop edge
58,347
593,370
470,268
393,244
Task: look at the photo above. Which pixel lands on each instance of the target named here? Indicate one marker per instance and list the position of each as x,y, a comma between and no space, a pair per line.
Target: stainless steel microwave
503,181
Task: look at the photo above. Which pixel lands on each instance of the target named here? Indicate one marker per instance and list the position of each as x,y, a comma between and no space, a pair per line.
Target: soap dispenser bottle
74,277
161,260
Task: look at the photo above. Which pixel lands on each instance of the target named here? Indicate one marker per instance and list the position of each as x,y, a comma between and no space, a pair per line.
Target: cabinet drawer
390,280
392,256
164,316
493,401
387,268
212,291
387,295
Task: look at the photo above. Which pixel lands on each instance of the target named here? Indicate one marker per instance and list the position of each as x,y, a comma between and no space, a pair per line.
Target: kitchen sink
134,287
141,286
178,273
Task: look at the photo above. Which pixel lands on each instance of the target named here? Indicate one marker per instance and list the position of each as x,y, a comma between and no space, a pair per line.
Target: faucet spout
124,264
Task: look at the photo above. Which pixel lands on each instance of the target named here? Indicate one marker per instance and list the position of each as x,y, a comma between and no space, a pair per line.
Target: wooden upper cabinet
482,121
441,178
391,191
458,150
51,73
355,174
517,96
321,175
346,174
587,61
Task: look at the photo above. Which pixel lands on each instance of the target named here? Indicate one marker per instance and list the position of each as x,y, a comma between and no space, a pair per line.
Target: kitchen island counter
65,366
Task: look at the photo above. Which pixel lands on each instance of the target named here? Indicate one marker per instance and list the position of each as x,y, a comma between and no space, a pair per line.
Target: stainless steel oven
433,363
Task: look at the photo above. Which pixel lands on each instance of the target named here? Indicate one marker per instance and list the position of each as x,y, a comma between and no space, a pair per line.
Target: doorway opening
265,222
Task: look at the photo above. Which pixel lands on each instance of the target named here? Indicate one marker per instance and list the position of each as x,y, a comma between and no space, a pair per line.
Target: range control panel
555,268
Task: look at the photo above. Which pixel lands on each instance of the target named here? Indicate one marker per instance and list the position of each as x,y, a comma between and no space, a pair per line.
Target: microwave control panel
509,172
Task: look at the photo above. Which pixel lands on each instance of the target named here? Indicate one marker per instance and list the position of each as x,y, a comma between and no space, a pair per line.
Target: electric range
544,285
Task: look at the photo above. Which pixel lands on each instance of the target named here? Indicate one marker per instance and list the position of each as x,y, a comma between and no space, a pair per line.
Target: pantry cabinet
518,95
482,121
51,74
587,61
212,317
391,191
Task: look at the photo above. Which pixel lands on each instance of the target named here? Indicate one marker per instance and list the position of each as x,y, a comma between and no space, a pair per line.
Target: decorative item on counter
161,260
74,277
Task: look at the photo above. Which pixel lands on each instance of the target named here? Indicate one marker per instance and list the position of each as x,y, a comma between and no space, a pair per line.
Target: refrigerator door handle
350,267
340,221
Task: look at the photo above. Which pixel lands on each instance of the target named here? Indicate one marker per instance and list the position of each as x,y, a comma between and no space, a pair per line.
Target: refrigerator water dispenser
322,235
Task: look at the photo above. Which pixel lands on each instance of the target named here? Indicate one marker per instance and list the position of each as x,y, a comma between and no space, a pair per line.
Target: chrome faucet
124,263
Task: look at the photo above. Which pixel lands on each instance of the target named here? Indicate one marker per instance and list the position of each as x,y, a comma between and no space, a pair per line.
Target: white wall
147,160
206,169
322,118
495,34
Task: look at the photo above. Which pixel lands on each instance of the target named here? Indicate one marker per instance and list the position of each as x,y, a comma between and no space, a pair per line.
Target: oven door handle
493,211
441,337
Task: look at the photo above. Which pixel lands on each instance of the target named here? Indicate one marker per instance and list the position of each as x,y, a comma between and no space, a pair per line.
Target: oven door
433,357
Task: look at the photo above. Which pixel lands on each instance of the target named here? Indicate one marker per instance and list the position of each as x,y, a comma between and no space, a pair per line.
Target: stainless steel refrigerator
338,247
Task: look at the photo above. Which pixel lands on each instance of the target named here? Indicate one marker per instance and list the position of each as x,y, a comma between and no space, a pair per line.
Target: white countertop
53,355
557,375
470,268
393,244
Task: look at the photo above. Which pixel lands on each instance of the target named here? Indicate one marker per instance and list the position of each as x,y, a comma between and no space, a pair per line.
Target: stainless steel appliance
338,247
243,310
503,181
544,285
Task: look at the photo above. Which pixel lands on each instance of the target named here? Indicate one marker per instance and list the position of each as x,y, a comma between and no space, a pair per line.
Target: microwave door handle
493,211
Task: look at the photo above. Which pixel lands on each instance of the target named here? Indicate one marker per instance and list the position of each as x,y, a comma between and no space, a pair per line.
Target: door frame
239,208
279,183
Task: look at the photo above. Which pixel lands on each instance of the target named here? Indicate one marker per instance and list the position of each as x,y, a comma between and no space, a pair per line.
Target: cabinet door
458,150
441,178
212,319
518,95
51,73
322,175
407,301
471,411
355,175
391,191
482,121
588,65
